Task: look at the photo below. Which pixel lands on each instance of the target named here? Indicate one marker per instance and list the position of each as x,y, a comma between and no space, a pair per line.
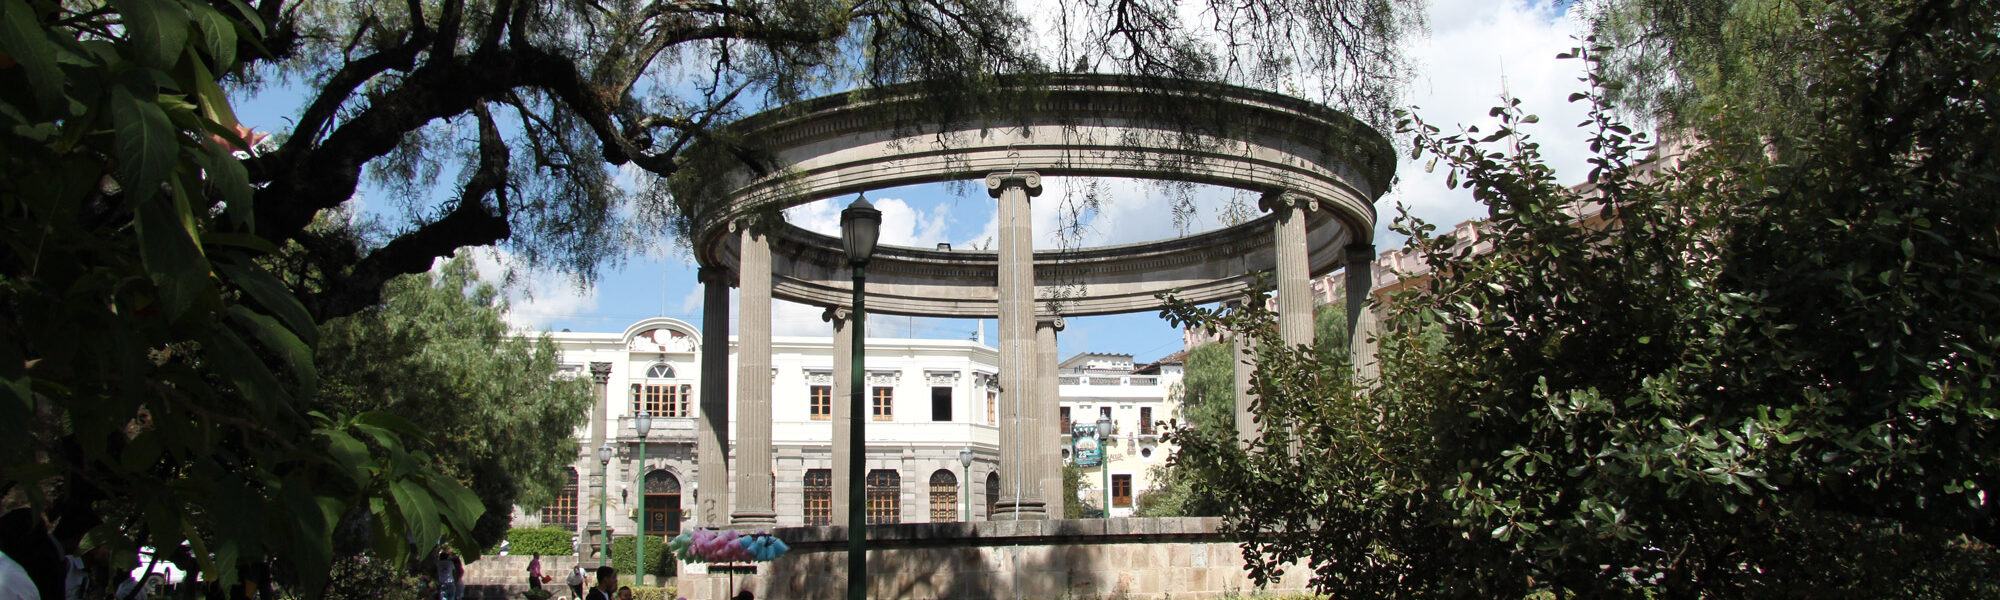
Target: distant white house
929,399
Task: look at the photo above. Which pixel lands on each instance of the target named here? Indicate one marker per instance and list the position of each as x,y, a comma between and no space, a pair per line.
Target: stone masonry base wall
1087,558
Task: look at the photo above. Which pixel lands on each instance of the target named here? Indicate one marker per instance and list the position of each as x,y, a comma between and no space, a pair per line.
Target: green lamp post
860,225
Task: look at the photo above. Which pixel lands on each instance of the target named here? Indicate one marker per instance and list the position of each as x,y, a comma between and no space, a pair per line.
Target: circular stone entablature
1286,149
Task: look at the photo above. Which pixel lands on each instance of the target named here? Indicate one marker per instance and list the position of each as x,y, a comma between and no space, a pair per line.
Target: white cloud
534,297
1472,43
902,224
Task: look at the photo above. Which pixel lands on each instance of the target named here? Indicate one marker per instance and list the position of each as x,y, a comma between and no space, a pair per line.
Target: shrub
546,541
647,592
659,560
363,577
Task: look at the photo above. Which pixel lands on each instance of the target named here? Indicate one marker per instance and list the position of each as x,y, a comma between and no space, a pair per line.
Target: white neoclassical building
930,401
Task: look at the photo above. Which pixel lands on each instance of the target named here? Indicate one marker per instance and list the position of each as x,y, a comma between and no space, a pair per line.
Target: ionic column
600,378
843,384
712,445
1361,321
1295,305
1020,481
1245,362
753,382
1044,448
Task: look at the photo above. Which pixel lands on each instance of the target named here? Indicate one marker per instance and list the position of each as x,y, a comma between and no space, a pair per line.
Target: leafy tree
1757,375
1207,399
437,354
155,377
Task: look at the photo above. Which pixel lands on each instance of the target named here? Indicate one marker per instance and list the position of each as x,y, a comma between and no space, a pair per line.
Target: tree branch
470,224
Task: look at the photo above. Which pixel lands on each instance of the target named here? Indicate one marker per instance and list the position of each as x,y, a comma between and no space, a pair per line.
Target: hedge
659,559
546,541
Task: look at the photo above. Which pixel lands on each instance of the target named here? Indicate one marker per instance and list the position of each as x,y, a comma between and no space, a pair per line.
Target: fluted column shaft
712,445
1044,448
1295,304
843,411
1360,321
1020,480
600,381
753,382
1245,362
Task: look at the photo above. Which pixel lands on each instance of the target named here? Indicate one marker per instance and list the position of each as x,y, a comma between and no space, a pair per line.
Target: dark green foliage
1766,374
437,354
659,560
156,378
1072,488
546,541
364,578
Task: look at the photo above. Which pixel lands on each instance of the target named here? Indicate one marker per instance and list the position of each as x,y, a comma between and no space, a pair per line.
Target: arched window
561,512
663,503
659,395
885,497
944,496
992,493
819,497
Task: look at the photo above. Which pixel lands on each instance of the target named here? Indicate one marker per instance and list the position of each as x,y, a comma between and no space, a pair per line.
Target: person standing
447,580
535,572
607,583
576,582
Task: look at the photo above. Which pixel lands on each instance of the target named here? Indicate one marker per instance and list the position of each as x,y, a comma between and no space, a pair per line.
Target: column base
1023,510
753,518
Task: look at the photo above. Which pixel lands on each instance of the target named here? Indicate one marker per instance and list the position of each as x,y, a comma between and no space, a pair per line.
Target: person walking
576,582
535,572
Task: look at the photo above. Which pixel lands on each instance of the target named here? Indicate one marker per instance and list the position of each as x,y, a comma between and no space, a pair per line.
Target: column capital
1055,323
600,372
836,314
706,274
1029,180
1276,200
1359,252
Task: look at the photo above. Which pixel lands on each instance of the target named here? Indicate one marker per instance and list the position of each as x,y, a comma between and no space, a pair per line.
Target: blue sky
1460,75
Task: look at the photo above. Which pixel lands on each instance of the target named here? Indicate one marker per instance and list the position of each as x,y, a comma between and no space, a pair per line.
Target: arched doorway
663,503
944,496
992,492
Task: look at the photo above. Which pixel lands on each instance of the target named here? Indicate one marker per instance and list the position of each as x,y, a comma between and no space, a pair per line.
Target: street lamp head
965,457
860,225
1104,428
643,422
604,454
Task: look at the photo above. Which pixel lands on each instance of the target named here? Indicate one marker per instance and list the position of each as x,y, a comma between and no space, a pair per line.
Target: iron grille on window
944,496
562,511
885,497
661,399
819,497
822,402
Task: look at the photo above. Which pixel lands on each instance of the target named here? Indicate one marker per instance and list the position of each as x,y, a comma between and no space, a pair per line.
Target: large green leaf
218,34
419,511
146,142
270,293
30,47
172,258
158,30
276,338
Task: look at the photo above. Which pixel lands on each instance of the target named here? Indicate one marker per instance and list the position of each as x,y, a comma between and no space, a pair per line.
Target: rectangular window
661,399
822,402
992,408
1065,422
885,404
1121,490
1146,420
562,511
940,404
819,497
